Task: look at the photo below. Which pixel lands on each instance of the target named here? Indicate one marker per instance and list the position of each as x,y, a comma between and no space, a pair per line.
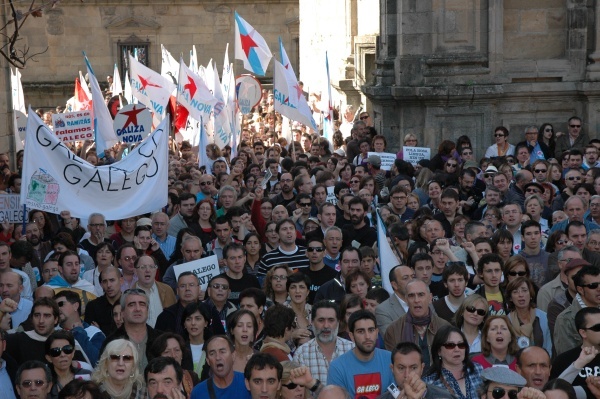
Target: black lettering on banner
110,169
97,174
75,178
156,163
142,154
125,179
46,142
137,176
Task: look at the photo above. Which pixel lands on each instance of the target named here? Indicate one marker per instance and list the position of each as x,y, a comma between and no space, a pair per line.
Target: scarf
271,343
523,329
408,334
581,303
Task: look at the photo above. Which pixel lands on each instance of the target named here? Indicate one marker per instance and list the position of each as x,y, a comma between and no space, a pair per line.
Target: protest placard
133,123
204,269
73,126
10,208
387,159
415,154
331,198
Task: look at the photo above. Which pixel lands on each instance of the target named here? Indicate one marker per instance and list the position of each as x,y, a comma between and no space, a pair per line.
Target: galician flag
82,100
116,87
289,100
150,88
387,258
103,122
193,94
250,47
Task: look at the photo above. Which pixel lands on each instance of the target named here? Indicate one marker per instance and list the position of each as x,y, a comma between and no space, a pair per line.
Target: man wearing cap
559,284
502,382
587,282
488,174
374,168
576,364
516,193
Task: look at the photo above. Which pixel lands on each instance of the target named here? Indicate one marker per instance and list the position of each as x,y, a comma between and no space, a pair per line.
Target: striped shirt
296,260
310,355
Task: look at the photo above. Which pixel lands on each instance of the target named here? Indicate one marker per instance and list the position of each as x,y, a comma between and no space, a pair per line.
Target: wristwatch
316,386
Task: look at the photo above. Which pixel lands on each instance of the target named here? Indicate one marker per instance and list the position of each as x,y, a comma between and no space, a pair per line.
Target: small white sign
387,159
73,126
133,123
415,154
204,269
10,208
331,198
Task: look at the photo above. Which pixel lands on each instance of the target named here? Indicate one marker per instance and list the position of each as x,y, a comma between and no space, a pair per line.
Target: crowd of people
495,278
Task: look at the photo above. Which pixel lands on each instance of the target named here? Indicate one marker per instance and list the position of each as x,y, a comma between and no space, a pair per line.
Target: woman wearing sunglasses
498,344
501,147
451,368
60,349
117,373
530,324
470,317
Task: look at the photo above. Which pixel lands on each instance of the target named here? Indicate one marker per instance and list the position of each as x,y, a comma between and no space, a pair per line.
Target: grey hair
128,293
572,248
99,215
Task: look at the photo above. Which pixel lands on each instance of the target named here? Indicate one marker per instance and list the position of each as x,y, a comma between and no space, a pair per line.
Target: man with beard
34,237
318,353
187,202
359,230
287,190
225,383
364,371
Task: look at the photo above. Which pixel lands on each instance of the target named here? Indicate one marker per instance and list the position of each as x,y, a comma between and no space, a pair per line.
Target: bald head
43,291
279,213
334,392
11,286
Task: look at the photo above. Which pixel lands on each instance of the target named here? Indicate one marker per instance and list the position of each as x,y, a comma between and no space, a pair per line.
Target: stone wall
451,67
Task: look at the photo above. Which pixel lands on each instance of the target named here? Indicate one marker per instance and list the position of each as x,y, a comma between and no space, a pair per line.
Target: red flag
82,101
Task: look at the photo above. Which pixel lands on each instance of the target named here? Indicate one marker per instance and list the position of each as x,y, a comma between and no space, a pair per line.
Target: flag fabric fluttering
103,123
128,91
18,105
251,47
116,88
169,67
193,94
82,100
327,102
150,88
387,258
84,85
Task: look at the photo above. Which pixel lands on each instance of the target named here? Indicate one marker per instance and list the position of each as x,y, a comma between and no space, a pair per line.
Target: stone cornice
77,3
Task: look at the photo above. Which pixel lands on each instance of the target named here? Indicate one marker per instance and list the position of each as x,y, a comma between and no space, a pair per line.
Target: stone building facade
103,29
451,67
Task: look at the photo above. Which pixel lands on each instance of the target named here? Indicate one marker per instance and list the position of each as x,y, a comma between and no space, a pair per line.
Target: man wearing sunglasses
33,380
503,383
317,272
587,283
582,361
574,139
572,178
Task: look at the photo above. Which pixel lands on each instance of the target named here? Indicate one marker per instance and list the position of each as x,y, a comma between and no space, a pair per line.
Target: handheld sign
204,269
10,208
73,126
331,198
249,92
415,154
133,123
387,159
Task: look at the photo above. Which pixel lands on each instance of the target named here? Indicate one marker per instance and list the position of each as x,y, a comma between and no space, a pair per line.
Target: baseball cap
470,164
374,160
575,263
340,152
144,222
533,184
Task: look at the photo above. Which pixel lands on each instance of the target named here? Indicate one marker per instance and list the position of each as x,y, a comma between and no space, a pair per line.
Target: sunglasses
206,183
591,286
548,130
488,175
314,249
452,345
540,170
533,190
29,383
520,274
467,153
61,303
55,352
498,135
305,204
594,328
291,385
126,358
473,309
217,286
452,165
498,393
354,181
575,126
362,118
574,178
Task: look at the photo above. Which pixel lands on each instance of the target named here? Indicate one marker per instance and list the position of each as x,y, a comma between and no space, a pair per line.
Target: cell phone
393,389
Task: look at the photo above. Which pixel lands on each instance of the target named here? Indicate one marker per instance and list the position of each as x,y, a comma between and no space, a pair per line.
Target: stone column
593,69
6,135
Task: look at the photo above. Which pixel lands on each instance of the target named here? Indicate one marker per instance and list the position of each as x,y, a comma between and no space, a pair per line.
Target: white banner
204,269
10,208
415,154
387,159
55,179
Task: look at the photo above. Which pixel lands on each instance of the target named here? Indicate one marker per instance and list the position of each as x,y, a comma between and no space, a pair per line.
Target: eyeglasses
279,278
498,135
520,274
146,267
126,358
362,118
29,383
490,216
452,345
313,249
218,286
594,328
473,309
291,385
130,258
499,392
575,126
574,178
305,204
540,170
354,181
55,352
533,190
206,183
591,286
